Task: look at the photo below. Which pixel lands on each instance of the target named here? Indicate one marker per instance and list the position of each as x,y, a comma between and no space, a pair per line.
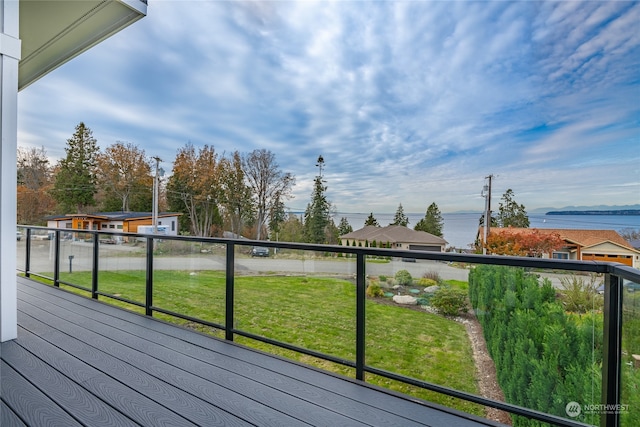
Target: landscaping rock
405,299
432,289
396,287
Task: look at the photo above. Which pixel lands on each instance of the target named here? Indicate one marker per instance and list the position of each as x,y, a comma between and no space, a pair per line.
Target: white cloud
409,102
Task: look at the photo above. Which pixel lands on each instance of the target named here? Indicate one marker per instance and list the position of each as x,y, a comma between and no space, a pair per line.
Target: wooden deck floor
80,362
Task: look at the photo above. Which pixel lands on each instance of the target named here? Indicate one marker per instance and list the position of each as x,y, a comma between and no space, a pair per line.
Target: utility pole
154,212
486,193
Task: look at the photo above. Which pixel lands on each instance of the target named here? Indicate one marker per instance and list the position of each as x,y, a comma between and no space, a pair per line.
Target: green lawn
317,313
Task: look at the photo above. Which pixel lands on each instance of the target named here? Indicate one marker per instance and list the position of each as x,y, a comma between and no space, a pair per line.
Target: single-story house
127,222
585,245
397,236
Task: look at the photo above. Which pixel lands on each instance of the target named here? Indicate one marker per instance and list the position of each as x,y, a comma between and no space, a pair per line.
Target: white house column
9,57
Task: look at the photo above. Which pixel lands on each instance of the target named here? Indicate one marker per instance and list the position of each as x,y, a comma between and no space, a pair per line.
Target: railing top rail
625,272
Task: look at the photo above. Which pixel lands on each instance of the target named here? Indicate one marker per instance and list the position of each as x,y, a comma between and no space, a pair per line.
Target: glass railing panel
21,245
122,270
42,254
75,260
408,336
189,279
543,332
630,389
305,299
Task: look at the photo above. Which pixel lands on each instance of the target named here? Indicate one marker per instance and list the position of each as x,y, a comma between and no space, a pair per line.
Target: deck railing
47,253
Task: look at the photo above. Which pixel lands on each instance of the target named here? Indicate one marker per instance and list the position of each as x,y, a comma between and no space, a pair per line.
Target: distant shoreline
612,212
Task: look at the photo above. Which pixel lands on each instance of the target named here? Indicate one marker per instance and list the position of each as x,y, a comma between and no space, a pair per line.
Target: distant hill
603,212
586,208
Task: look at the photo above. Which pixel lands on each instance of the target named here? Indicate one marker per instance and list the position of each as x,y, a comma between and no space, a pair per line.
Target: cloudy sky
408,102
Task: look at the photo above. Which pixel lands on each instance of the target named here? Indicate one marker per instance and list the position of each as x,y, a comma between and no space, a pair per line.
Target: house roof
581,237
114,216
394,234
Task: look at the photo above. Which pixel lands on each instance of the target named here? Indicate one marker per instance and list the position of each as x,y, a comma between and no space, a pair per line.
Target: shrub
383,278
403,277
426,282
433,275
449,301
424,300
374,290
579,296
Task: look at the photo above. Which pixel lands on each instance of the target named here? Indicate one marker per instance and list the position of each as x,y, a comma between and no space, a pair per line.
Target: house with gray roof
396,236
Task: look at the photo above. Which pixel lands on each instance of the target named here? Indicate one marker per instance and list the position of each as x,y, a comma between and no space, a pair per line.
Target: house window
68,225
560,255
112,226
119,227
173,226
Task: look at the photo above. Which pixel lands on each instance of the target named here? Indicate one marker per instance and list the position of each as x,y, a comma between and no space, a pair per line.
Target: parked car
19,235
259,251
632,286
49,236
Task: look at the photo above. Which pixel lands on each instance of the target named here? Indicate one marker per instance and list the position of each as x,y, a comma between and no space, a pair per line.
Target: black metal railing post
612,351
27,254
94,262
229,317
56,257
360,315
148,294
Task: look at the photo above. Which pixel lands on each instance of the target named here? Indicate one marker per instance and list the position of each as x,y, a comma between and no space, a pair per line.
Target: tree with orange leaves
124,176
34,184
531,243
194,188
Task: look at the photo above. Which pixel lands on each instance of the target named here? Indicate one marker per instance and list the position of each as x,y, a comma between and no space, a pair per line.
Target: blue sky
408,102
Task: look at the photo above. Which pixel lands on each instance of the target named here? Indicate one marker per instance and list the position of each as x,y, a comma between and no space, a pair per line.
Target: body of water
460,229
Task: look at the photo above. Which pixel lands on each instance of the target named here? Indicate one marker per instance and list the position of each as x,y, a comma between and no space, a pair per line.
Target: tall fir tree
510,213
400,218
344,227
432,222
316,217
371,220
75,181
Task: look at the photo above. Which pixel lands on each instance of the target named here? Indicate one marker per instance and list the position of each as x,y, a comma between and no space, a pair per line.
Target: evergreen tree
278,217
344,227
316,216
432,221
371,221
493,223
400,218
75,181
510,213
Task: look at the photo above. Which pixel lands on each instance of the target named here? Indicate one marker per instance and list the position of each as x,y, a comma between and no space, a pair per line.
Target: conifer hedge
544,357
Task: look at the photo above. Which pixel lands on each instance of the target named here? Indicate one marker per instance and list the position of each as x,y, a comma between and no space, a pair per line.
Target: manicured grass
458,284
316,313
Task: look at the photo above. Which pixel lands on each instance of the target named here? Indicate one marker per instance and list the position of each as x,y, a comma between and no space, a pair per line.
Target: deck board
8,418
93,364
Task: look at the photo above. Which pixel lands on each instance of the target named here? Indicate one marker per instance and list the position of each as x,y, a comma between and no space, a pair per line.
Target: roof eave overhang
53,32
